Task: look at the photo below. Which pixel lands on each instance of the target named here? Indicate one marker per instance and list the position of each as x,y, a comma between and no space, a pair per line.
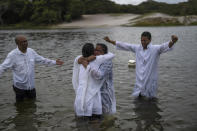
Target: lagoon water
174,110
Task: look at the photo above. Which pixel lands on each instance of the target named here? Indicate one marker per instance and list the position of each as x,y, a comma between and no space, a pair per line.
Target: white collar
19,52
148,46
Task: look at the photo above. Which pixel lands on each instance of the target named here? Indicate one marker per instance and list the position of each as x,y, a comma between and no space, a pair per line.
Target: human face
22,44
98,50
145,41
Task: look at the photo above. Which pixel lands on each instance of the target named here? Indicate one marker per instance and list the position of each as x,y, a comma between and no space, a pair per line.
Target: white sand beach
108,20
99,20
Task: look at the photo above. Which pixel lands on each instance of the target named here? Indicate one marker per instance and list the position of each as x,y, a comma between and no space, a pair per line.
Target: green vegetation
193,23
14,13
158,22
39,12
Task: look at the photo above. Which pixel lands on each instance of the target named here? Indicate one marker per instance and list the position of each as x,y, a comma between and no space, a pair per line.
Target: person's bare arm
91,58
85,61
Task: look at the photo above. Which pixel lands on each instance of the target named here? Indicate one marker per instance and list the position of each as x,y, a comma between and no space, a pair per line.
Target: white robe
87,89
146,66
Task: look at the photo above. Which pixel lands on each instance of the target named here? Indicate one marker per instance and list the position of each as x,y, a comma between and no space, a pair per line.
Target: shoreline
129,20
113,20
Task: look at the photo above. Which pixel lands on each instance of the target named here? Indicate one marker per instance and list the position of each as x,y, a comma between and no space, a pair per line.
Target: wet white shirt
22,66
146,66
104,72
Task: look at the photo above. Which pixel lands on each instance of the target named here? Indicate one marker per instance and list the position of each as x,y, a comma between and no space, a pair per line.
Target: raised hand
110,41
174,38
106,39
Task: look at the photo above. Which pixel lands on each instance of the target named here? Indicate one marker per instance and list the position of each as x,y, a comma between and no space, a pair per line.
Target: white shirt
22,66
146,66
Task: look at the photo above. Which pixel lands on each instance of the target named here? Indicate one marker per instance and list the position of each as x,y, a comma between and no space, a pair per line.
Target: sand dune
108,20
99,20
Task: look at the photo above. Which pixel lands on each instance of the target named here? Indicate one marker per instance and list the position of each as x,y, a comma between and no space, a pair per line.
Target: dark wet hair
104,47
88,50
146,34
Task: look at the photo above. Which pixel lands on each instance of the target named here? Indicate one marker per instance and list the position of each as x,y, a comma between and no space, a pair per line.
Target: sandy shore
108,20
99,20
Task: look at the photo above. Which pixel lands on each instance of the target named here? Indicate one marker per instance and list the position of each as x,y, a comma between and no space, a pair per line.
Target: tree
44,13
12,14
76,9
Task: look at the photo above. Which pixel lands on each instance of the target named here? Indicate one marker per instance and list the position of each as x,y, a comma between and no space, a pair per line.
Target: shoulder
156,47
30,50
137,46
153,46
76,58
12,53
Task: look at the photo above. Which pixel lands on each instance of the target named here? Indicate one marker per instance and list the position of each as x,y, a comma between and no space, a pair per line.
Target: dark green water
175,109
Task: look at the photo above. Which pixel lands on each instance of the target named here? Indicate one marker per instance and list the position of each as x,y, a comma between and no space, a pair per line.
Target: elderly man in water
105,72
147,58
21,61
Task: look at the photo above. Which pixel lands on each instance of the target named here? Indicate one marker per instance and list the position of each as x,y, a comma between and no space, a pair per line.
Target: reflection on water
95,123
25,116
175,109
148,117
86,124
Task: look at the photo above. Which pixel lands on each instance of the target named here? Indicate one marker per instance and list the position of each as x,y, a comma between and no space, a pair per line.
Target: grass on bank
158,22
145,20
193,23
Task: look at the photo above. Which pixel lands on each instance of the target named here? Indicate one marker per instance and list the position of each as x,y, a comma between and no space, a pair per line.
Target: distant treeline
44,12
